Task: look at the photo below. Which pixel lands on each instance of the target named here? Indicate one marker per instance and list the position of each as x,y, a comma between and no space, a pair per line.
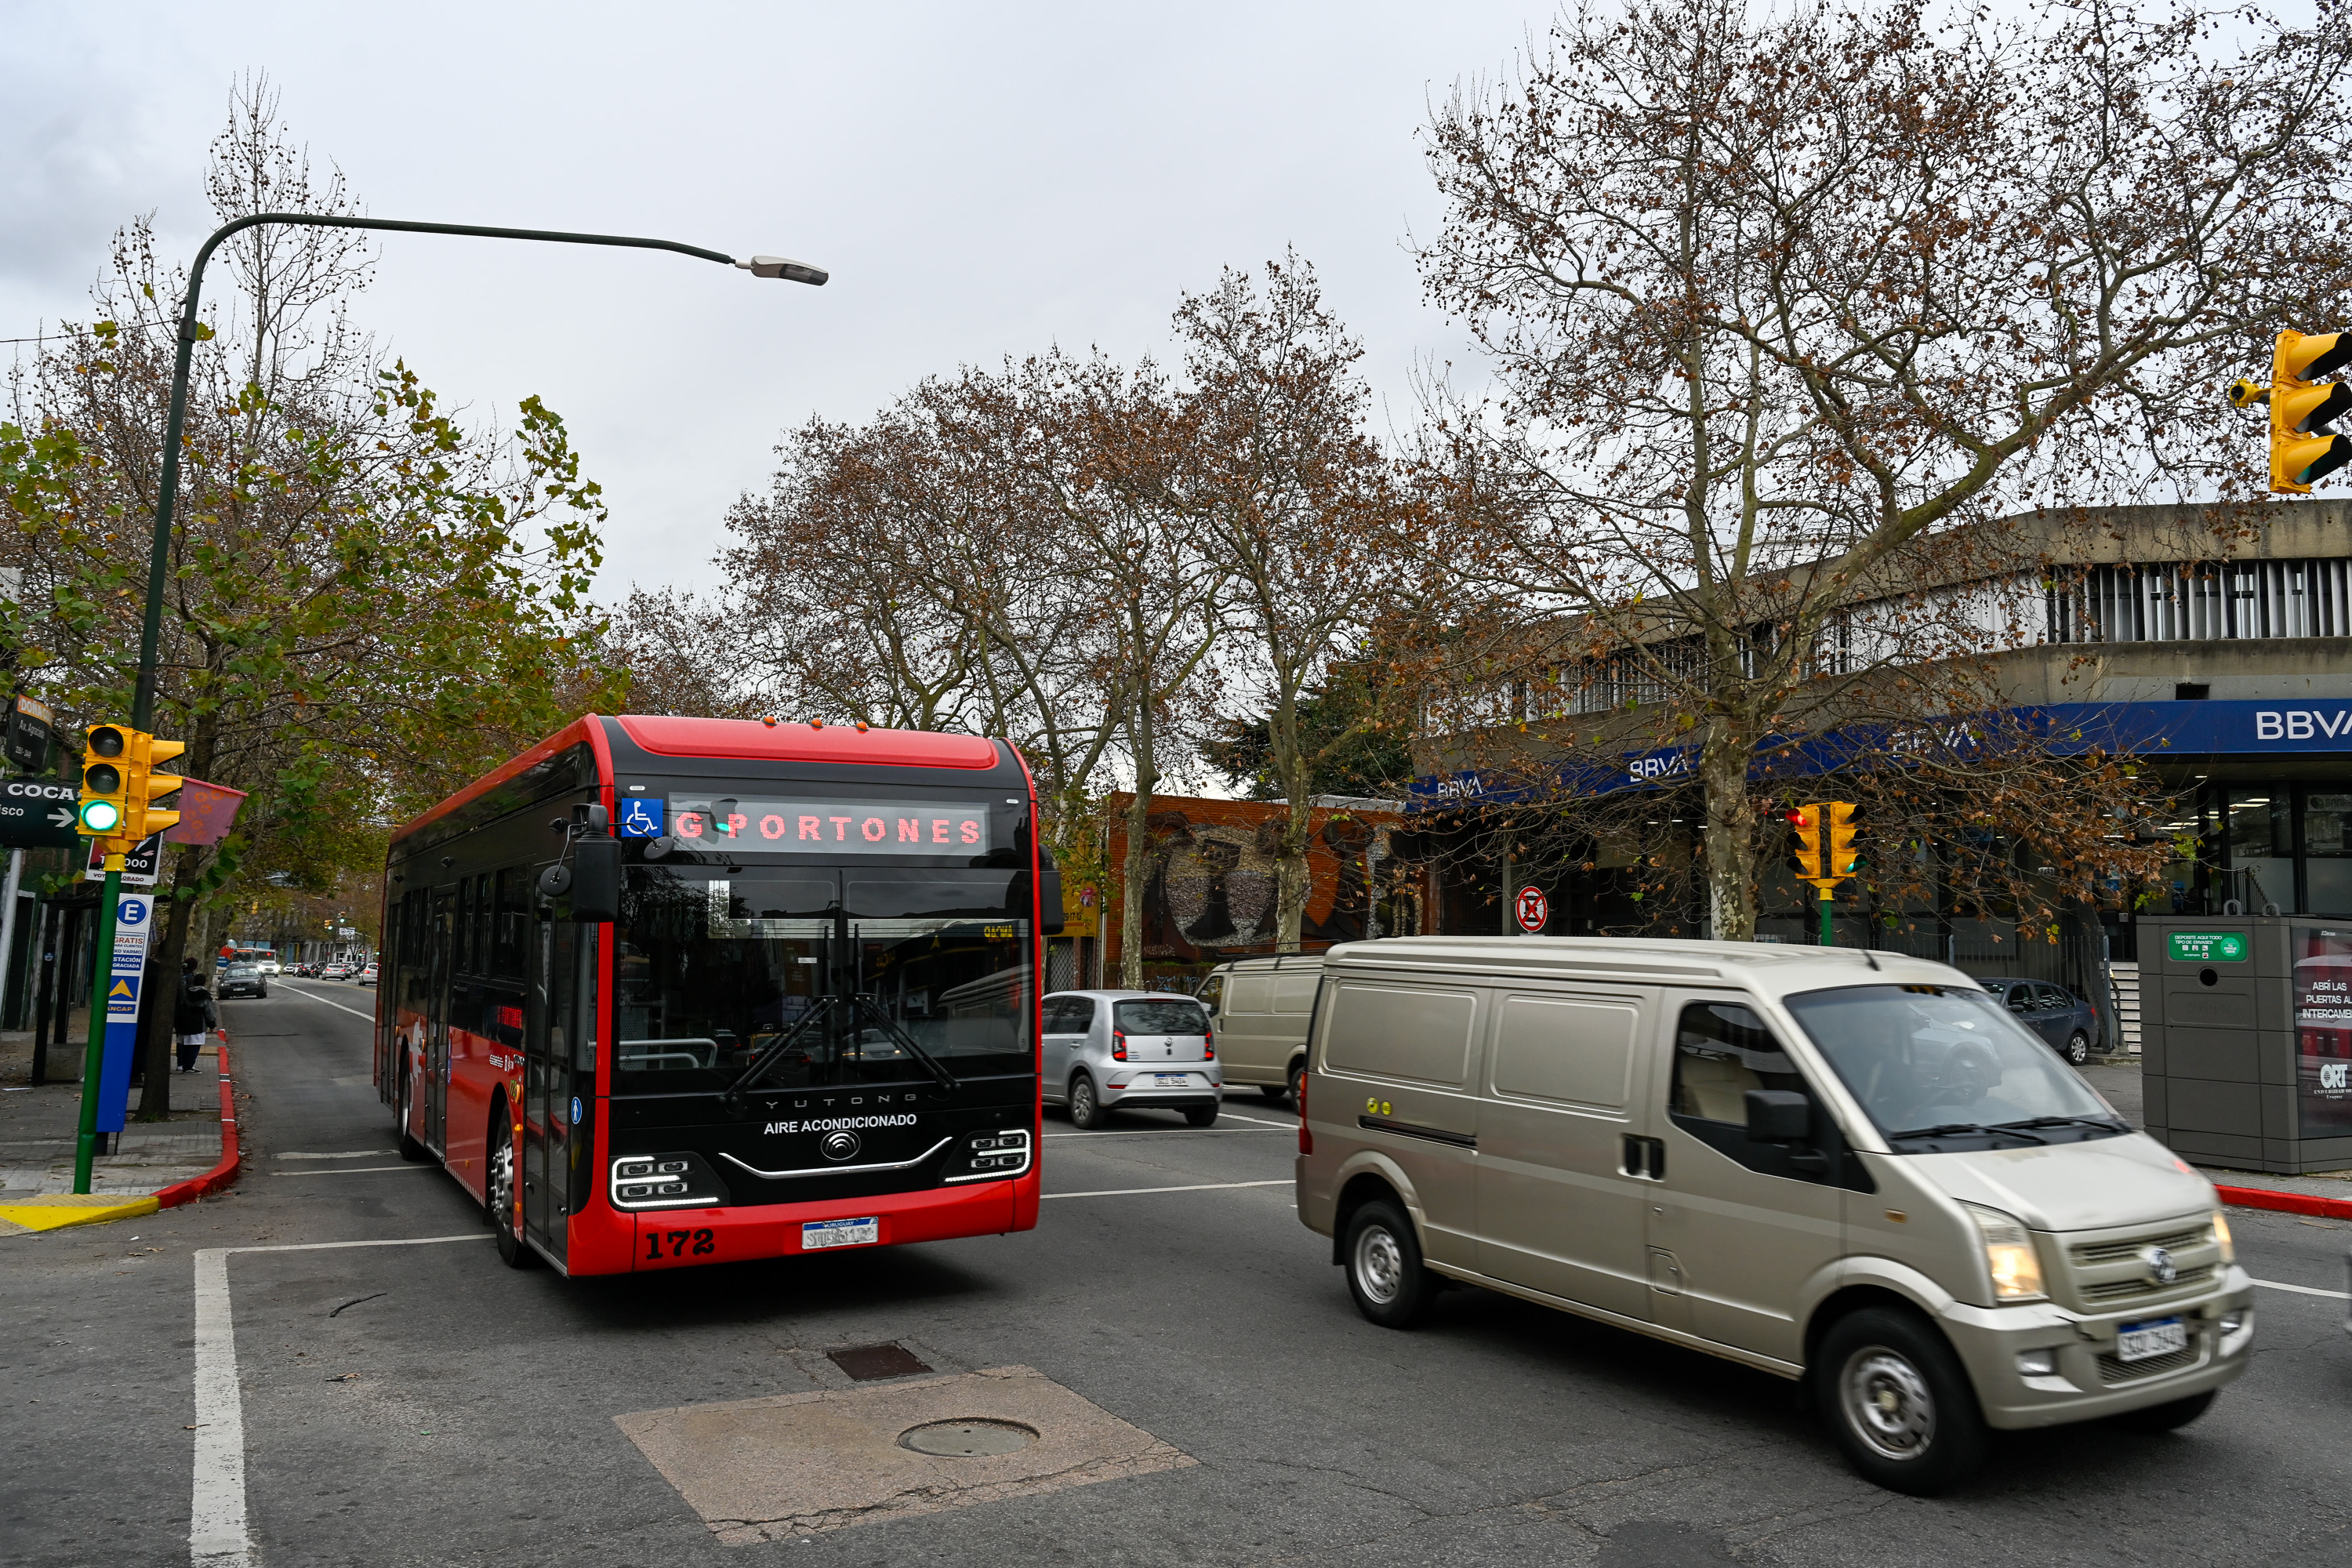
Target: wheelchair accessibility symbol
641,818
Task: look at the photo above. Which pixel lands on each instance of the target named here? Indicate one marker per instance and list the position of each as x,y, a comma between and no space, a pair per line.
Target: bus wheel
498,1201
410,1148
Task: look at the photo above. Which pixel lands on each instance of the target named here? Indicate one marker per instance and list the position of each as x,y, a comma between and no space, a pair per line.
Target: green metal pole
93,1056
1827,940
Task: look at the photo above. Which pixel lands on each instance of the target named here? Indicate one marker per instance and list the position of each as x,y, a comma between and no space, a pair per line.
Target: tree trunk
1290,871
1132,872
156,1048
1723,763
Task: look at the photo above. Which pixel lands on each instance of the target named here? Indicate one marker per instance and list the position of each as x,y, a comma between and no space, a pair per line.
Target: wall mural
1210,879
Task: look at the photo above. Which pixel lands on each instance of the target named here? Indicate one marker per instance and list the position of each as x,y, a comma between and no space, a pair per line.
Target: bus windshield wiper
733,1093
1955,1128
866,1000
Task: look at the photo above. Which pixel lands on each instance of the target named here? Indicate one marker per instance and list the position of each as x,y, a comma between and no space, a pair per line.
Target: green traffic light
100,816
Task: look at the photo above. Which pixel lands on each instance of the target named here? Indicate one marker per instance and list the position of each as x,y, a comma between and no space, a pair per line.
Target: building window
2327,852
2262,853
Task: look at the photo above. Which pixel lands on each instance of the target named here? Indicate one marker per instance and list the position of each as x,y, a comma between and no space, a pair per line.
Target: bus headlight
992,1156
671,1181
2010,1257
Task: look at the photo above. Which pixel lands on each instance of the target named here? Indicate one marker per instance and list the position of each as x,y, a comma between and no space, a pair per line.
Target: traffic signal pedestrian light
1805,821
1842,857
104,803
2302,407
143,786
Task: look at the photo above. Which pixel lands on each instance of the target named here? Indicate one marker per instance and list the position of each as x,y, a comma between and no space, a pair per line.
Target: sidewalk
38,1128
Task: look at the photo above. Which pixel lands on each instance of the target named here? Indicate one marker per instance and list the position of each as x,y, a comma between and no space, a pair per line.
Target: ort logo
2335,1075
2302,724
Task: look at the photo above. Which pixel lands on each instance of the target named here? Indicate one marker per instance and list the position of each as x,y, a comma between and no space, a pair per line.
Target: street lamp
142,706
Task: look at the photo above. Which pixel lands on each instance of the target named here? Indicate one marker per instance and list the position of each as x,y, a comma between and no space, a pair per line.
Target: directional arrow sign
37,814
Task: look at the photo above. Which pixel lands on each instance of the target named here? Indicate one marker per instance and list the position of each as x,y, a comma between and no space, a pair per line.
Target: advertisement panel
2323,1029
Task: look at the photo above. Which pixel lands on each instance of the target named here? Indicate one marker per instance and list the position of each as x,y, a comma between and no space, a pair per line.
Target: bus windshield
838,976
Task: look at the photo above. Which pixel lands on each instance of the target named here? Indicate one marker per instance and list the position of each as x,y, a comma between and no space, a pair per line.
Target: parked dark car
242,978
2069,1024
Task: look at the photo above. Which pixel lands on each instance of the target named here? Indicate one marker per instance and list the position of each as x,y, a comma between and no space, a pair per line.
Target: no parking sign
1532,910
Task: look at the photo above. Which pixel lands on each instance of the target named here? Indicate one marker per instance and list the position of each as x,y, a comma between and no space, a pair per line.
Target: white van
1856,1170
1259,1009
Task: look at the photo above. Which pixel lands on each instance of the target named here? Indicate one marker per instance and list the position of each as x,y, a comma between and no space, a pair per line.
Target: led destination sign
832,826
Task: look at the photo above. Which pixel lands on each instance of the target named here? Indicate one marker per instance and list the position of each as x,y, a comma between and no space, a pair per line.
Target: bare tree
1768,301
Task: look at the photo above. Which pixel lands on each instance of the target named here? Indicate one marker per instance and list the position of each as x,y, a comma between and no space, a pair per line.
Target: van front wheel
1384,1268
1900,1403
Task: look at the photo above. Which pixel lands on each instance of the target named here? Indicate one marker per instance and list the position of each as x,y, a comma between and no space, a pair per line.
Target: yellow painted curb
54,1211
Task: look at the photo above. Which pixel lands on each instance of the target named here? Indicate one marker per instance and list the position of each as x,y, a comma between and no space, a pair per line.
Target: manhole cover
967,1439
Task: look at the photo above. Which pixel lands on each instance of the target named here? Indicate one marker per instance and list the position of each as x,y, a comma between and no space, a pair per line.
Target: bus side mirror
1049,896
596,880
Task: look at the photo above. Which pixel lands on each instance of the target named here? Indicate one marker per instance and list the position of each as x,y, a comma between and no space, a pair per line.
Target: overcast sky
981,181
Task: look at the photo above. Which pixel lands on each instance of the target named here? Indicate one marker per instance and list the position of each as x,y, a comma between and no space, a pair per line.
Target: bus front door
548,1047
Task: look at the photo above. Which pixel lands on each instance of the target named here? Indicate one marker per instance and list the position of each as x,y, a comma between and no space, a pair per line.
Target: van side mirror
1779,1116
596,880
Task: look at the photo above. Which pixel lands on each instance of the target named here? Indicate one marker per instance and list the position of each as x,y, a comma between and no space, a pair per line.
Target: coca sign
831,826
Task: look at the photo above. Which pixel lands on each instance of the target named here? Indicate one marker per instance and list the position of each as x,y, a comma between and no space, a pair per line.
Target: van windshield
1946,1068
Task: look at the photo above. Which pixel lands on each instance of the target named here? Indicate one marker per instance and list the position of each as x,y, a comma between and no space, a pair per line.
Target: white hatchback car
1107,1051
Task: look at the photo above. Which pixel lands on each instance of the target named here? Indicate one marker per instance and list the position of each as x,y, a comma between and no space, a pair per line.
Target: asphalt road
423,1404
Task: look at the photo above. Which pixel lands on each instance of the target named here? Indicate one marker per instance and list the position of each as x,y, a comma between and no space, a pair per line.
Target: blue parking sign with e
641,817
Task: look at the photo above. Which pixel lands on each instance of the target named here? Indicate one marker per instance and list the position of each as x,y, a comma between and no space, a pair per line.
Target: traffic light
1806,822
2302,407
1842,856
144,787
104,803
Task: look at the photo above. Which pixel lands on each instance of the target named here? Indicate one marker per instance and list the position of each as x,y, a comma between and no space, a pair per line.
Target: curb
2286,1203
232,1159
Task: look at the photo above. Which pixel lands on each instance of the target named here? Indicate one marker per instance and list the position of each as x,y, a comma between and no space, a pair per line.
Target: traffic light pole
93,1056
1827,939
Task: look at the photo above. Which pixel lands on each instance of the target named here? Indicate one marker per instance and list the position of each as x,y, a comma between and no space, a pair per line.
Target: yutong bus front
819,995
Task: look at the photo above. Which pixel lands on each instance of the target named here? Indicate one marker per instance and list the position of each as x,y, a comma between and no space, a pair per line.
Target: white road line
1150,1131
323,1002
351,1171
2302,1290
346,1155
217,1532
1260,1120
1203,1187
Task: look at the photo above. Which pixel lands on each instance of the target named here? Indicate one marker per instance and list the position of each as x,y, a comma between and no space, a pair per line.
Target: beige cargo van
1259,1009
1859,1171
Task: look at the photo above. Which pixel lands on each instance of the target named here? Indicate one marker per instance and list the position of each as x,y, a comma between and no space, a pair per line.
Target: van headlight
2010,1257
2222,1239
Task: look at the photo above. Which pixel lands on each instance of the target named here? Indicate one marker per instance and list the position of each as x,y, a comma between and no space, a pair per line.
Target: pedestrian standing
193,1015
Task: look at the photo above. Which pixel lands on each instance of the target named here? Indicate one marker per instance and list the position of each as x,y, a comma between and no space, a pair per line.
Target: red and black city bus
666,991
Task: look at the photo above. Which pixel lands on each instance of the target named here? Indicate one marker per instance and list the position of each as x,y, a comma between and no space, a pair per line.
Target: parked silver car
1107,1050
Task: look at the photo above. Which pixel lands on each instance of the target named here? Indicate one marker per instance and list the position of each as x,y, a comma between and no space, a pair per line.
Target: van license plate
1171,1080
2137,1341
840,1233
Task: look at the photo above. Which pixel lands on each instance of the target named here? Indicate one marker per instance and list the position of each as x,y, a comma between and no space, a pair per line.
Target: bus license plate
1171,1080
823,1233
2161,1336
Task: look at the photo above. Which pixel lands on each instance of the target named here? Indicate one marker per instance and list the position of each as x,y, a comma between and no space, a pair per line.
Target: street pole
1827,940
167,495
93,1056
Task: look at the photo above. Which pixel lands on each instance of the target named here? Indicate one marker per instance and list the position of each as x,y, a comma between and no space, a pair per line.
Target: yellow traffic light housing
144,787
2302,407
1805,822
1842,858
105,800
